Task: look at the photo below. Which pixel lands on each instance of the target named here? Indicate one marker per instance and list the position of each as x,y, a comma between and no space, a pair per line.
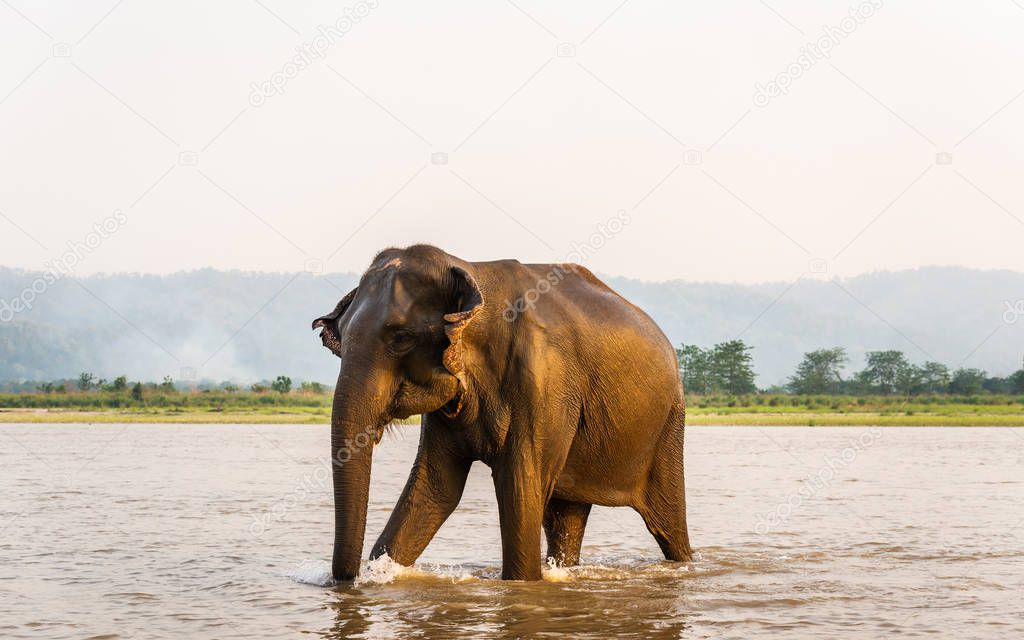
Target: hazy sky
554,120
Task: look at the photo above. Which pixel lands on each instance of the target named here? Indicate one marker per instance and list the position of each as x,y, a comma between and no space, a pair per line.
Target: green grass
309,408
158,405
288,416
938,410
855,420
161,399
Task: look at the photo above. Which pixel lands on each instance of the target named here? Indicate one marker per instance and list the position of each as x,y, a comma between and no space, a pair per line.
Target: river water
224,531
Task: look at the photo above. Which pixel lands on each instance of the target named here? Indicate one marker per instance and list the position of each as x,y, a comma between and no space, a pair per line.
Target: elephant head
399,337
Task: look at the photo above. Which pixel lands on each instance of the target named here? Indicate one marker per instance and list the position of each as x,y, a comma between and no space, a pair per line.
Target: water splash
382,570
555,572
314,572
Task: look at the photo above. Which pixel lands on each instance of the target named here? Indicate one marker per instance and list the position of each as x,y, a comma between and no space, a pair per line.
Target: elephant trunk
353,435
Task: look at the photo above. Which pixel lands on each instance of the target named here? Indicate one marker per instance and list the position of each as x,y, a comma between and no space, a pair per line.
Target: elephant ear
329,335
468,302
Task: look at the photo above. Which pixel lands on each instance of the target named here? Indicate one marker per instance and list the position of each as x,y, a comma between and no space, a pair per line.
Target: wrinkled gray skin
573,402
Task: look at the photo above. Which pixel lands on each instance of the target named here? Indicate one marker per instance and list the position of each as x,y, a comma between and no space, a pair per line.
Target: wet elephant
569,393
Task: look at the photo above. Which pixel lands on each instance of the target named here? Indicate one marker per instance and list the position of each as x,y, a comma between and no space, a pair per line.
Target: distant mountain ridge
247,326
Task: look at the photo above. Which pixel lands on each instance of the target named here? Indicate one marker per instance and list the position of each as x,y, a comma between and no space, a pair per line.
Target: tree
967,381
120,383
137,392
167,385
313,387
85,381
695,368
283,384
886,372
995,384
933,377
731,367
908,380
258,388
819,372
1016,381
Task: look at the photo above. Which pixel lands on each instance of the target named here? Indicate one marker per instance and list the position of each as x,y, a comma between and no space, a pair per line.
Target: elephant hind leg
670,535
662,502
564,524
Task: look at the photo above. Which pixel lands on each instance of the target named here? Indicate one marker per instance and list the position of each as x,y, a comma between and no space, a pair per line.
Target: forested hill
249,326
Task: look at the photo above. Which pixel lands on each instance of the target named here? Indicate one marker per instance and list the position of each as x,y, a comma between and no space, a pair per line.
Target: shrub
282,385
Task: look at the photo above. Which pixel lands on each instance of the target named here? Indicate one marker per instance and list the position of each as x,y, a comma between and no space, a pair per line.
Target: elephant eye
403,340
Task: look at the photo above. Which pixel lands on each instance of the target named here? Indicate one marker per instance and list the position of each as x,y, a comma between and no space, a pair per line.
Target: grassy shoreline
297,407
955,416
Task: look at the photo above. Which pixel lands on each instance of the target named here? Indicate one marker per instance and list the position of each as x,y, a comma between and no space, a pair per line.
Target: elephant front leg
432,492
520,512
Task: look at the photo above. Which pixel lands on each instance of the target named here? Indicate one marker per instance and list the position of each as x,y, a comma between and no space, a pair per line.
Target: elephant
568,392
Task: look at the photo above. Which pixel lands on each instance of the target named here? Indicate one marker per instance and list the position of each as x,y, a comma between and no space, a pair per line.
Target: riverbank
957,417
291,415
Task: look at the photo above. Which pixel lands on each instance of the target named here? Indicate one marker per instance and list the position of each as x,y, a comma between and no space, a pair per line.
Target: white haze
542,149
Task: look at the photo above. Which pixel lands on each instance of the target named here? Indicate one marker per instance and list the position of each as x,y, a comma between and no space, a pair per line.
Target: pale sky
553,118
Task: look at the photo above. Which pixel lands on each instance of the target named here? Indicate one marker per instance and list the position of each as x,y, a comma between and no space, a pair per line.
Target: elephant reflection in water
431,608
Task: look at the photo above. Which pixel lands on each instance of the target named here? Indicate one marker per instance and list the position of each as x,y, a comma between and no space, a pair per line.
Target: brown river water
224,531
